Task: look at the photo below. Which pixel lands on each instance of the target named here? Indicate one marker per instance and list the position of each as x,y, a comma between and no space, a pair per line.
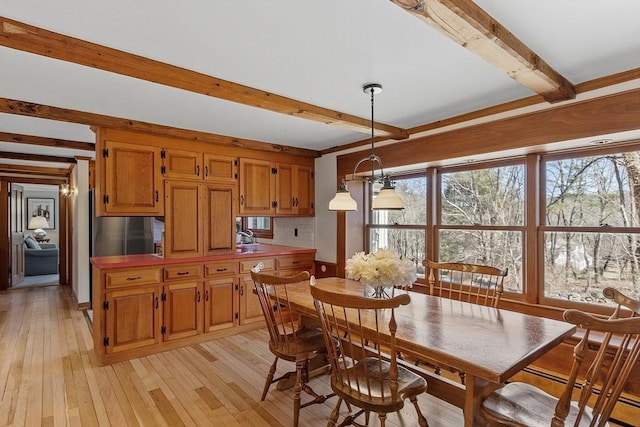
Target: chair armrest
48,245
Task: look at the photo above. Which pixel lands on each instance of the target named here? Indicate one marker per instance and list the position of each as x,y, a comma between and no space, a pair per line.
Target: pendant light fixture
387,199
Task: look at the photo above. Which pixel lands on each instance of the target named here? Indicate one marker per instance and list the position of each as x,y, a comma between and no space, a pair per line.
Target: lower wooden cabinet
182,310
220,306
132,318
139,311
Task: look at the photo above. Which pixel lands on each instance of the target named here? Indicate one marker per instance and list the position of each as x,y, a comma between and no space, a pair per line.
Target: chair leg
297,390
333,418
382,417
421,419
267,384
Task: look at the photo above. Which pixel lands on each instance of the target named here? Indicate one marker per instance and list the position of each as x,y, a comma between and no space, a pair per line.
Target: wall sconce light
387,199
66,190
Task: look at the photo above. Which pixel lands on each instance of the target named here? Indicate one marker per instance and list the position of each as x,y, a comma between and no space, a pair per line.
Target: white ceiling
319,52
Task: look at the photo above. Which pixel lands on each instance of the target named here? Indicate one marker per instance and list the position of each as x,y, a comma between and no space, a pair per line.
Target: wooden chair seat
304,345
374,373
528,406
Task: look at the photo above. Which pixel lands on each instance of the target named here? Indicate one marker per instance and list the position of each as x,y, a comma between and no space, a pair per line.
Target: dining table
488,344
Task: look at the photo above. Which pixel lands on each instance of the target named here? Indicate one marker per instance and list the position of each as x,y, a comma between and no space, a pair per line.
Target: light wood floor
49,377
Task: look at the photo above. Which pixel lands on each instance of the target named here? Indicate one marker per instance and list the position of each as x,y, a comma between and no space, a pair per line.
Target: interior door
17,226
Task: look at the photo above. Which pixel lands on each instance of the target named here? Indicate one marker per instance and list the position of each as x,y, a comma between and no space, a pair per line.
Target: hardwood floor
49,377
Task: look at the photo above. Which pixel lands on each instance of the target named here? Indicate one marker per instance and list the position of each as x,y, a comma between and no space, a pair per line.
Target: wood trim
30,109
471,27
28,38
4,234
33,170
608,114
46,142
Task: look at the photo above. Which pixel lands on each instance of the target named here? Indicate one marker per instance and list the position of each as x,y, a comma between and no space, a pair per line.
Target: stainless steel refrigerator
120,235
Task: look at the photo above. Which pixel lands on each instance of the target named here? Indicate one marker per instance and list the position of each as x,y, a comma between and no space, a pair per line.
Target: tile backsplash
294,231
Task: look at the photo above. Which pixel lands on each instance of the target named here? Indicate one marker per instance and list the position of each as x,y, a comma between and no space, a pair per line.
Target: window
262,226
591,228
481,213
403,231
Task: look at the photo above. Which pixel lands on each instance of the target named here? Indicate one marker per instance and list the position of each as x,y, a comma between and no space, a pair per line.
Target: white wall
80,233
326,221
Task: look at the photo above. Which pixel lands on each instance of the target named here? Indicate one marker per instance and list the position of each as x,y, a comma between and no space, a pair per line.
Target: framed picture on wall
41,208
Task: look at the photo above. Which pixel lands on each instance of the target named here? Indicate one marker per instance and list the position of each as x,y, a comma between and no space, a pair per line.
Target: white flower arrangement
383,268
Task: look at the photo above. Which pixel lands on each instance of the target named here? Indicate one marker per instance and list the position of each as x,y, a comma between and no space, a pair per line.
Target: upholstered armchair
40,258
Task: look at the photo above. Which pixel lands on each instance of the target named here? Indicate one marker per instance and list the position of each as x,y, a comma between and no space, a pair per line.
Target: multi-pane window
482,218
591,229
403,231
588,228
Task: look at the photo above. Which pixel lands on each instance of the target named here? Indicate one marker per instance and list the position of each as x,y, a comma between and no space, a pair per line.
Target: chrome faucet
249,235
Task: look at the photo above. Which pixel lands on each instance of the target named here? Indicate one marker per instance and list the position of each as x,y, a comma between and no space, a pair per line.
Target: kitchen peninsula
144,304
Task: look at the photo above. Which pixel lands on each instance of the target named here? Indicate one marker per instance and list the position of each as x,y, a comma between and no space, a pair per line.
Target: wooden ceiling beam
467,24
46,142
36,157
30,109
33,170
28,38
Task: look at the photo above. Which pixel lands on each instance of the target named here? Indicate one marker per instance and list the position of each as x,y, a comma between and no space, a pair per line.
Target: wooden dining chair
362,374
477,284
473,283
520,404
289,338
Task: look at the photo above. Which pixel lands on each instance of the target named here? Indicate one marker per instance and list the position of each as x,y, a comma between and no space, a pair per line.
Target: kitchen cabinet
199,218
257,188
220,295
145,304
182,310
132,318
250,310
183,164
130,183
295,190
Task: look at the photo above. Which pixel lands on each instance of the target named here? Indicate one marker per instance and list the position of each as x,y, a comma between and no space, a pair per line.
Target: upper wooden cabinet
129,179
183,164
276,189
257,188
295,190
199,218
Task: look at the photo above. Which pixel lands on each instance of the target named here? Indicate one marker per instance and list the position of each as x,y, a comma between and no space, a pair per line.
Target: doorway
35,215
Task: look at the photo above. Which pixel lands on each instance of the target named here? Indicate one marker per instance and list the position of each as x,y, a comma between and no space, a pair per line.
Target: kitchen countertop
256,250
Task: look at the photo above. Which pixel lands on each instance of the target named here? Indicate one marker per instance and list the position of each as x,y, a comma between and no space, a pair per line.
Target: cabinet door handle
198,296
157,303
206,295
182,273
206,171
241,290
198,170
242,199
131,278
157,196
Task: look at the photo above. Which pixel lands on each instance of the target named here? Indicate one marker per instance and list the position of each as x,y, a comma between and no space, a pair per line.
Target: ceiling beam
467,24
27,38
46,142
33,170
36,157
30,109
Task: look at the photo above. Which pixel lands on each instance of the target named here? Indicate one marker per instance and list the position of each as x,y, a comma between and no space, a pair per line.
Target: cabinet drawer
247,265
221,268
303,262
139,276
179,272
